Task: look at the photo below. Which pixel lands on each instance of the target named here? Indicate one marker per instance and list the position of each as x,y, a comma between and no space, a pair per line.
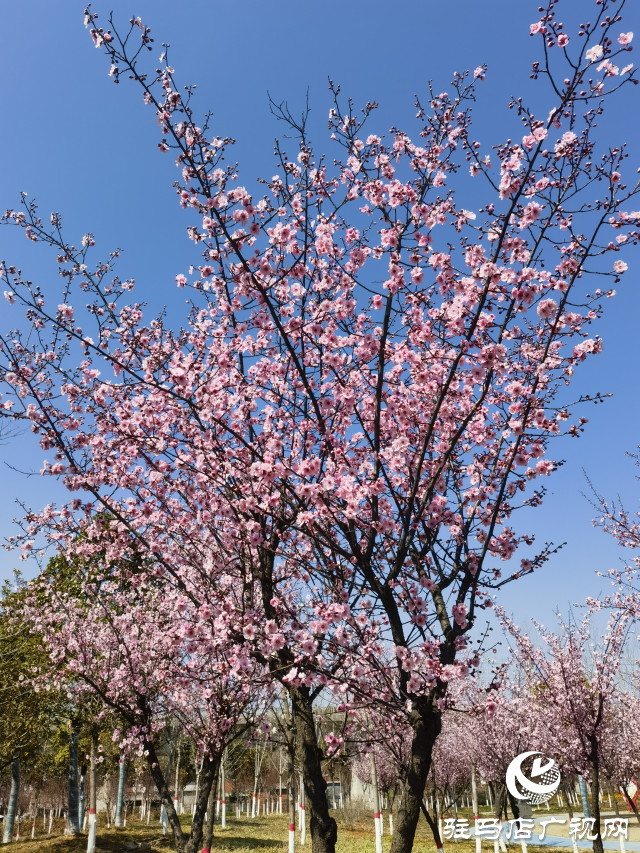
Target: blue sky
87,148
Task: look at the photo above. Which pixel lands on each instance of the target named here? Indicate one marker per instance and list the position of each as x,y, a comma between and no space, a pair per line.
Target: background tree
153,661
27,716
573,694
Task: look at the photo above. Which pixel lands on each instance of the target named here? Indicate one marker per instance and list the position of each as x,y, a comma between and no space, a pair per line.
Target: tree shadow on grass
246,842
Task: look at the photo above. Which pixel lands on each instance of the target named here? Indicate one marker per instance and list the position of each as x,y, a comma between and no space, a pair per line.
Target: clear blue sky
87,148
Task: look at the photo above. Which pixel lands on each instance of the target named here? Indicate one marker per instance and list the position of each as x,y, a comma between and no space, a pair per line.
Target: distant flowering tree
624,526
148,655
496,736
389,738
573,693
350,453
619,749
619,755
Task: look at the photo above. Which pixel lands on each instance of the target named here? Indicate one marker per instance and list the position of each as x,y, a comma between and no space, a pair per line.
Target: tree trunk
567,796
81,797
198,772
426,722
205,797
291,803
612,788
595,807
515,808
165,795
208,830
499,800
302,813
323,828
73,819
176,795
433,825
476,807
223,797
93,816
12,807
584,796
376,803
120,799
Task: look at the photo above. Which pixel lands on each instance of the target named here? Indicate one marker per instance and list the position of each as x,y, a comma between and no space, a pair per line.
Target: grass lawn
260,835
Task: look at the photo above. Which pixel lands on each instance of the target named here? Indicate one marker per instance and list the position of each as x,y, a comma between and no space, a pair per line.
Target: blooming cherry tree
148,655
344,456
573,694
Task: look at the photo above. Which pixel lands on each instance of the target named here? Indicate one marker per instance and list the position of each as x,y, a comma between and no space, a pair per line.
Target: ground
261,835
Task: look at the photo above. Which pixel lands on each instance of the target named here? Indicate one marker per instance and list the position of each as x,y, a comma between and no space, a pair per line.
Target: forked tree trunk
210,774
12,807
323,828
73,819
208,829
426,723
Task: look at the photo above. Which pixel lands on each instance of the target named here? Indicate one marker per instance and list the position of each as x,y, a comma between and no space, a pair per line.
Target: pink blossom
515,389
460,614
594,53
620,267
625,38
66,311
309,647
547,308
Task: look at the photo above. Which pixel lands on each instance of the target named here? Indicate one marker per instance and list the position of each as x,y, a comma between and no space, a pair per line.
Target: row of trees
566,694
305,493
